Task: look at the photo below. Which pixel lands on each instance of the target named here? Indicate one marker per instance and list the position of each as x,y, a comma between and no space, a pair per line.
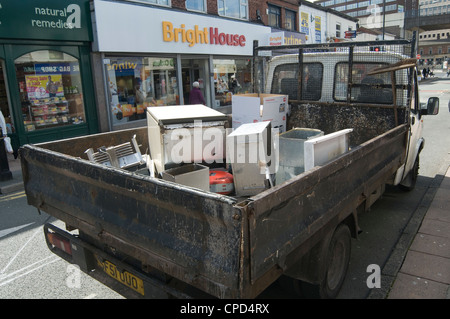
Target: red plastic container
220,182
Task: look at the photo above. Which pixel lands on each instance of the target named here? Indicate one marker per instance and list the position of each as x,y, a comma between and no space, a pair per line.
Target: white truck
148,237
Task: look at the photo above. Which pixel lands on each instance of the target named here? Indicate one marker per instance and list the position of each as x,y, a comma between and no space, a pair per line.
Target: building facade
322,24
160,47
46,85
77,67
434,49
434,45
364,8
370,13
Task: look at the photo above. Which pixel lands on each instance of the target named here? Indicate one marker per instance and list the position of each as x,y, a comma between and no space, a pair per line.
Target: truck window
285,81
414,95
366,88
312,81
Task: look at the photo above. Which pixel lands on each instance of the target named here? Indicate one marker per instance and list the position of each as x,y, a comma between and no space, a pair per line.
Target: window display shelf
52,106
50,112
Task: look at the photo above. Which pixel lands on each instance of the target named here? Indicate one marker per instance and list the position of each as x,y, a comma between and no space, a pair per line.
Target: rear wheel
337,259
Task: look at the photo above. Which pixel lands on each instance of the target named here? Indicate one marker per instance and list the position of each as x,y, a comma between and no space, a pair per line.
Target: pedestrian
234,85
424,73
196,96
4,134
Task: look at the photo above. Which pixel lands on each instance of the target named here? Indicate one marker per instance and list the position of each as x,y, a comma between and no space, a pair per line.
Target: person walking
196,96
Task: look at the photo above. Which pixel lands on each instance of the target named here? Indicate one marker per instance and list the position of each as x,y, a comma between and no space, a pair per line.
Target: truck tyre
411,178
336,264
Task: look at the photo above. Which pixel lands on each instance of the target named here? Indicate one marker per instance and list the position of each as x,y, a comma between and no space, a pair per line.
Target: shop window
135,83
50,89
231,76
196,5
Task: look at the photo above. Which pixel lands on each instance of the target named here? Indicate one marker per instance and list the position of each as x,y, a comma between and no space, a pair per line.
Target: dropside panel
285,221
188,234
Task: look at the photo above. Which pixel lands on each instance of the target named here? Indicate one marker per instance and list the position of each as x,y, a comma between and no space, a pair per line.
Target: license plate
126,278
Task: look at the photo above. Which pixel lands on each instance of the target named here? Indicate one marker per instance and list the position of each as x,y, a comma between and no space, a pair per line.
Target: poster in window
304,24
317,28
44,86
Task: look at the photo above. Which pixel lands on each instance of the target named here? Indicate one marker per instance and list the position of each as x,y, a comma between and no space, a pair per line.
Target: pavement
419,266
16,183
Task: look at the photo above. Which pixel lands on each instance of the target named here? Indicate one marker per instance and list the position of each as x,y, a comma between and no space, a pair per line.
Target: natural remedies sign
45,20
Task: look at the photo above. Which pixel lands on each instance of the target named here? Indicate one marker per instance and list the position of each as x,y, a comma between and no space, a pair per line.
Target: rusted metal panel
367,122
188,234
285,217
78,145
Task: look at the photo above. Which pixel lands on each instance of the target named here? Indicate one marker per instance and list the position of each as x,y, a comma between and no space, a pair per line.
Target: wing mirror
432,107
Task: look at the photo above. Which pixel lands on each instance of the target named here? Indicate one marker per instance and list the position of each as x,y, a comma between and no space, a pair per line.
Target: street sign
350,34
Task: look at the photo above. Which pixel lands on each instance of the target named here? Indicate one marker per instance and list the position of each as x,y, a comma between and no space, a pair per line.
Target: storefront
46,86
151,56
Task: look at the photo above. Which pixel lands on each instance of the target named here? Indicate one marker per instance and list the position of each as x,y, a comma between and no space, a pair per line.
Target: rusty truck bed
224,246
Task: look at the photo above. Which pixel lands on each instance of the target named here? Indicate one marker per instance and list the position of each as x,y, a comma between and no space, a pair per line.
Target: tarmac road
28,270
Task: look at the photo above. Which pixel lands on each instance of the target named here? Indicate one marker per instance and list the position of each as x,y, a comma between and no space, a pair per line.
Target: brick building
281,14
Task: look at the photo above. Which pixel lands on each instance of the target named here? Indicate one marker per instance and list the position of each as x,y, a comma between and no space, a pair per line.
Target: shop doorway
4,101
5,107
195,70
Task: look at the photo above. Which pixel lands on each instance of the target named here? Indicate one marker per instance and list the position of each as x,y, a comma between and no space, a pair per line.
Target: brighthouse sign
155,30
200,35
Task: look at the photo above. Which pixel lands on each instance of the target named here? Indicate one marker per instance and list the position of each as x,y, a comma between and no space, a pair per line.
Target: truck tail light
60,242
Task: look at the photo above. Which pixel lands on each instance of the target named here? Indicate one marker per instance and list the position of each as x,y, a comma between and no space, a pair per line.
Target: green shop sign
45,20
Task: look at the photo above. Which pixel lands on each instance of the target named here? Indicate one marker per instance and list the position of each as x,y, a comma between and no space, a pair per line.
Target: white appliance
185,134
322,149
194,175
250,151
